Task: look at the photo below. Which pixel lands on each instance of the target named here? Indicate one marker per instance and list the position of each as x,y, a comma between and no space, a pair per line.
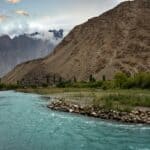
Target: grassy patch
53,90
121,101
130,99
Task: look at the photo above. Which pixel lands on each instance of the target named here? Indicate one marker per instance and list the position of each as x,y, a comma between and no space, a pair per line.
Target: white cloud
14,27
22,12
76,14
13,1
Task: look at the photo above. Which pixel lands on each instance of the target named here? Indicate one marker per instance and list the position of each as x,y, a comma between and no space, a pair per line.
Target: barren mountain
25,47
118,40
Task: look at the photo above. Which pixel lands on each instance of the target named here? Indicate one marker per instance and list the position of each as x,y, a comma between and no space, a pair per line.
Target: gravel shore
135,116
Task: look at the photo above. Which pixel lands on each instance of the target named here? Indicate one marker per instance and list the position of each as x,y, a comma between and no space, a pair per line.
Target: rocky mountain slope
25,47
118,40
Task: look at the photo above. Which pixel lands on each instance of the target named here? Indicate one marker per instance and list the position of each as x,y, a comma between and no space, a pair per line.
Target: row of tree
120,80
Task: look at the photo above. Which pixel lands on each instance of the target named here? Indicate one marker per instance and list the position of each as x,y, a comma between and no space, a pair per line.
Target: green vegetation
114,99
92,79
9,87
120,81
54,90
121,101
82,84
140,80
122,93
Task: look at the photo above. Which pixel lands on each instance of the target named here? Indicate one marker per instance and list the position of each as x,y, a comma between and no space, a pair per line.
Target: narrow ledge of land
139,115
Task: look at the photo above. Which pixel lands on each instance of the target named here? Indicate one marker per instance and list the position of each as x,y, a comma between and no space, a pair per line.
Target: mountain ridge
25,47
117,40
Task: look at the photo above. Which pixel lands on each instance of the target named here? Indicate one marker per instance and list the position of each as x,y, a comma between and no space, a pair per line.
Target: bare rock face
118,40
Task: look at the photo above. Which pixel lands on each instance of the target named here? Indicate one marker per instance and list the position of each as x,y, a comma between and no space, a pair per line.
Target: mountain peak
24,47
5,37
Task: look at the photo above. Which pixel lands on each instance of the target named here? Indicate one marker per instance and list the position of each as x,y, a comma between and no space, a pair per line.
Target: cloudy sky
27,16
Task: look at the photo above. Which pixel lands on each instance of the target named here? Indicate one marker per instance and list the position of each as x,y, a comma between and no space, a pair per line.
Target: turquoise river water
27,124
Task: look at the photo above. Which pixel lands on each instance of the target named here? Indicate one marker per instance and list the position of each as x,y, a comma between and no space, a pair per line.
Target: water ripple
27,124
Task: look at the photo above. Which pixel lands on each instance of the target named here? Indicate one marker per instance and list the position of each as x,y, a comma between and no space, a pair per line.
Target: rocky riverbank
135,116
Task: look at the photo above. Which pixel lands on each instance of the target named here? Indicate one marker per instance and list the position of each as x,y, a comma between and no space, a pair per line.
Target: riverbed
27,124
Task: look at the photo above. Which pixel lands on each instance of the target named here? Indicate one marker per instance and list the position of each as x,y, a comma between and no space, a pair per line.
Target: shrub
139,80
120,79
45,85
2,86
142,80
108,85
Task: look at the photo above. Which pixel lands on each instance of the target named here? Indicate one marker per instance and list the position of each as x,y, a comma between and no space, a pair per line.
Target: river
27,124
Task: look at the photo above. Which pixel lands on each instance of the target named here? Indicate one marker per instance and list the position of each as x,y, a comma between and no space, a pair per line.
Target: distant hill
118,40
25,47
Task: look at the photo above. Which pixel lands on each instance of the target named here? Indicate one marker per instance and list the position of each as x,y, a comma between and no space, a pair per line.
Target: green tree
91,78
120,79
104,78
142,80
54,78
74,79
47,79
60,79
